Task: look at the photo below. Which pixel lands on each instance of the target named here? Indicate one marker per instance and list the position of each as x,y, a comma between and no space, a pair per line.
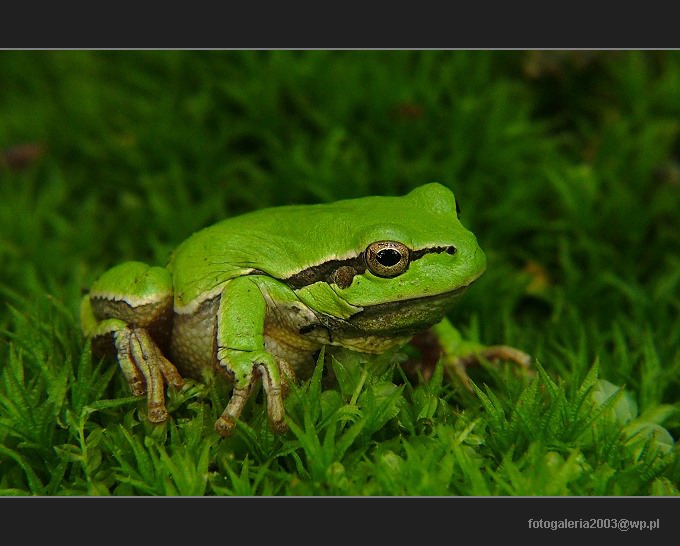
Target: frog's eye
387,258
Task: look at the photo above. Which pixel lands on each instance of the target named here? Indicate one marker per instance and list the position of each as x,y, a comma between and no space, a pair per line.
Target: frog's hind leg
142,362
128,314
444,341
492,353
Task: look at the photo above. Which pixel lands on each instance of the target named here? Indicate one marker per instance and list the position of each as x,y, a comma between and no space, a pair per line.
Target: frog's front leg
240,349
127,313
445,341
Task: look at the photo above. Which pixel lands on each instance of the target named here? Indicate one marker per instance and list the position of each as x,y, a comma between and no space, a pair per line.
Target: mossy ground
567,168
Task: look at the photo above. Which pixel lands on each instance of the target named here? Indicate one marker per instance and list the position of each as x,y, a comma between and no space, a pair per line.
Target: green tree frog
257,296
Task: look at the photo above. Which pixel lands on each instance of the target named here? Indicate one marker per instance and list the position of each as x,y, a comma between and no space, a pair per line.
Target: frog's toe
498,353
137,386
275,410
157,414
287,377
493,354
226,423
274,381
146,370
170,374
247,368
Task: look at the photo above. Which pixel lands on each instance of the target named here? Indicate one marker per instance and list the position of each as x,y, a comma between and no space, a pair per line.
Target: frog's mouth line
400,317
432,297
403,317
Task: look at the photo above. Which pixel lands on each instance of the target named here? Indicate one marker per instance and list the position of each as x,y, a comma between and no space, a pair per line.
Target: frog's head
411,258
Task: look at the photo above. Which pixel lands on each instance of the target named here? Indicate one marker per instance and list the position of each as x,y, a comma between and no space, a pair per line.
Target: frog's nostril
451,250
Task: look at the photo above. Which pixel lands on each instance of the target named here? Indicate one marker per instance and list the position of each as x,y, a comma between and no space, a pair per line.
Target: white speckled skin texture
194,336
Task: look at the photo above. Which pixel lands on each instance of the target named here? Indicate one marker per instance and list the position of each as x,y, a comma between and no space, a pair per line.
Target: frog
255,298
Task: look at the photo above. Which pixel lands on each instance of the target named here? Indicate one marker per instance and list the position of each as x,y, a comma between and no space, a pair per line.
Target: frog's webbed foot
248,367
458,363
146,369
445,342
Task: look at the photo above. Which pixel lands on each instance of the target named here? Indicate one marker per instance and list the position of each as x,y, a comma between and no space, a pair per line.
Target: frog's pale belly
193,345
193,339
293,333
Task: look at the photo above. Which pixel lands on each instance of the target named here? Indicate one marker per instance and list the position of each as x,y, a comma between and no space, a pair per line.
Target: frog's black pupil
388,257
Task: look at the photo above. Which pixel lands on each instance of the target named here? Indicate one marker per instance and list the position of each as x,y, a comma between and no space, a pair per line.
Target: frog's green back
282,241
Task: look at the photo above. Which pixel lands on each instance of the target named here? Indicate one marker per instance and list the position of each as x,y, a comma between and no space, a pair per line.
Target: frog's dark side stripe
342,272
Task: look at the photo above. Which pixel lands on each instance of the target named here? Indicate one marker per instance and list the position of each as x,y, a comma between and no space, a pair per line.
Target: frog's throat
398,318
325,271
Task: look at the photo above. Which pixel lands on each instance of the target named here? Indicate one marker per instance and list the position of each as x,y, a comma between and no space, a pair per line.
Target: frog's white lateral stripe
194,304
131,299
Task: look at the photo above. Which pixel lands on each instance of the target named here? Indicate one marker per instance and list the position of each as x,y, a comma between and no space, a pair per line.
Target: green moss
566,166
